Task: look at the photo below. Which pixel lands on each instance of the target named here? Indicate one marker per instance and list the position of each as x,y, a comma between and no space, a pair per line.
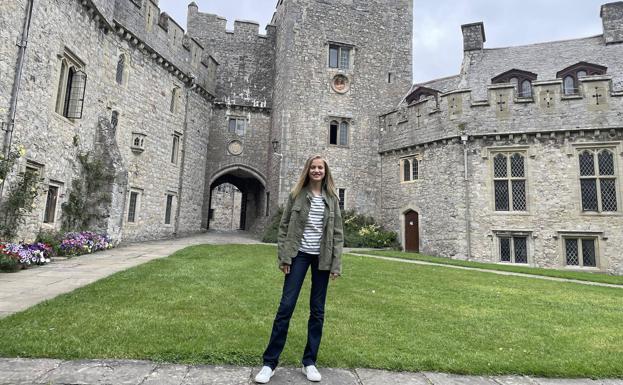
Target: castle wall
305,102
12,14
143,104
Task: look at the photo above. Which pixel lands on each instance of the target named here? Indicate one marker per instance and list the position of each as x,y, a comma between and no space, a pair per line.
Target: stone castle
517,159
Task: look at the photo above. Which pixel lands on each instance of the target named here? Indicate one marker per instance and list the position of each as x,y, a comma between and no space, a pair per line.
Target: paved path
22,290
113,372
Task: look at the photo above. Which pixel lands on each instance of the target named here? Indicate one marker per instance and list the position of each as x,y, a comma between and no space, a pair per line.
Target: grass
578,275
215,305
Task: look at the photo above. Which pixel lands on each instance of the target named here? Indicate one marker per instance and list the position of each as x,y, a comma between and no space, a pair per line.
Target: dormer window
522,80
571,75
421,93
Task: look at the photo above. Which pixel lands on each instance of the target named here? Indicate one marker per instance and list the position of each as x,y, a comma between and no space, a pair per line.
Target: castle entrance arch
237,199
412,231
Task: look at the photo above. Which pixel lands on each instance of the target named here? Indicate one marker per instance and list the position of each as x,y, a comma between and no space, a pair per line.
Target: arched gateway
251,183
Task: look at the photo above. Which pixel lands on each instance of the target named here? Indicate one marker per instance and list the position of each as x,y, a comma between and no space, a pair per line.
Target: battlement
142,24
594,105
216,26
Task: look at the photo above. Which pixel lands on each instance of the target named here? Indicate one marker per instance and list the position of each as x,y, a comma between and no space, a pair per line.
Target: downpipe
468,234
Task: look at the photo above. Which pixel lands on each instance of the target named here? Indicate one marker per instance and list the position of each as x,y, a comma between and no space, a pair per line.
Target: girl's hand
285,269
334,276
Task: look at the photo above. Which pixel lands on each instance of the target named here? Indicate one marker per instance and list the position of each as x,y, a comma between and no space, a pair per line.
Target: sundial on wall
235,147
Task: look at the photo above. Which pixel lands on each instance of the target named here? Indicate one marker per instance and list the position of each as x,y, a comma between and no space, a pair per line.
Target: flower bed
16,256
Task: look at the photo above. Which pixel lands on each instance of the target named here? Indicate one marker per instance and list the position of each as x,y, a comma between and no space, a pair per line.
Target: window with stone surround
570,76
580,251
598,180
150,15
339,56
71,87
237,125
138,142
134,204
522,80
509,181
51,203
410,169
176,95
338,132
169,200
175,147
341,193
122,73
513,247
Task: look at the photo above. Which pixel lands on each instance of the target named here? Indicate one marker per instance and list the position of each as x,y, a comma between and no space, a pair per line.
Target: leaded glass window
581,252
598,180
509,174
338,133
513,249
343,134
406,170
410,169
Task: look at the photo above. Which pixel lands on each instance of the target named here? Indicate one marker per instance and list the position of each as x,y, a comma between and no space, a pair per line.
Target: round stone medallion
340,83
235,147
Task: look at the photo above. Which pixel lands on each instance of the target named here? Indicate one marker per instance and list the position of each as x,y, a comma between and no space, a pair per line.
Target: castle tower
338,65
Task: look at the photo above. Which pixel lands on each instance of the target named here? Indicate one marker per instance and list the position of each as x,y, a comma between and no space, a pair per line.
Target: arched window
598,181
569,85
120,69
415,169
406,170
333,131
582,74
137,142
526,89
343,134
175,100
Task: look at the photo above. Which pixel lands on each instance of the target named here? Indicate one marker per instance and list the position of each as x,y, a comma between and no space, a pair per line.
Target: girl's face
316,170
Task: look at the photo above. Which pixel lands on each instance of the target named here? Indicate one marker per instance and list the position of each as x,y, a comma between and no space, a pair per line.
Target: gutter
23,43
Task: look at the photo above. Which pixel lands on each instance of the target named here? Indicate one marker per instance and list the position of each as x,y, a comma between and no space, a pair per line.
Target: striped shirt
313,228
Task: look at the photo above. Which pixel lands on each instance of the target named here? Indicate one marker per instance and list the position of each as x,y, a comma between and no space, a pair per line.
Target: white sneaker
312,373
264,375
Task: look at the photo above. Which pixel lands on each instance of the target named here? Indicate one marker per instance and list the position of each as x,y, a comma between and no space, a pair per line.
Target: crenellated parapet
246,58
440,117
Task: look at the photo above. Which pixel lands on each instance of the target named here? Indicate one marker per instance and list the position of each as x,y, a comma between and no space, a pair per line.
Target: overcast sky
437,39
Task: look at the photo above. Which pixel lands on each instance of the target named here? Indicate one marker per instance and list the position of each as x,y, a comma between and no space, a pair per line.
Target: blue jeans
291,289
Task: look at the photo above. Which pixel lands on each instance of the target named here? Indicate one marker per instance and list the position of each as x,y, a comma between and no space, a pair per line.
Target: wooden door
412,232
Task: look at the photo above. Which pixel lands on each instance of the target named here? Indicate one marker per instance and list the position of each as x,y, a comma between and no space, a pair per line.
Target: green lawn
578,275
215,304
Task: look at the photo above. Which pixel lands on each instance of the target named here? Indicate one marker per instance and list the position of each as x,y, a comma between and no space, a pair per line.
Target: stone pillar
473,36
612,18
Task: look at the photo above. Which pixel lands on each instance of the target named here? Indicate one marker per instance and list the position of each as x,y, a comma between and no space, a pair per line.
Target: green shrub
271,232
52,238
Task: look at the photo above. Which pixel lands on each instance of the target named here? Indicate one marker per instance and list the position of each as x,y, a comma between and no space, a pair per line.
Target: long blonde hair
327,181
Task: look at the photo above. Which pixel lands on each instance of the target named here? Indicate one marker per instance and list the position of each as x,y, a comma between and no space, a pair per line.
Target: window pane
589,194
174,149
333,56
76,95
333,133
569,85
588,252
120,68
526,89
406,170
581,74
240,126
415,165
517,166
344,58
499,166
514,81
167,214
608,194
341,193
587,164
501,195
232,126
50,205
571,252
521,249
606,163
137,142
132,207
505,249
519,195
343,134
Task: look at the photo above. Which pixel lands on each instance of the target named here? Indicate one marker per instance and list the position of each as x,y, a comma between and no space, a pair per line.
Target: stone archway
251,185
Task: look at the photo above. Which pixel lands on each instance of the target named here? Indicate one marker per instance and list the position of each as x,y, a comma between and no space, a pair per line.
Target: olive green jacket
293,223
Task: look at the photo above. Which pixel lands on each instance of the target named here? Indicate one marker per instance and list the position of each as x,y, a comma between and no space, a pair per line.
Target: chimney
473,36
612,19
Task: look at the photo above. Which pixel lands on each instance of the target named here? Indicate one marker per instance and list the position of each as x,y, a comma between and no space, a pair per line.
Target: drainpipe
183,158
468,235
8,134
